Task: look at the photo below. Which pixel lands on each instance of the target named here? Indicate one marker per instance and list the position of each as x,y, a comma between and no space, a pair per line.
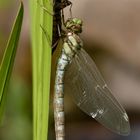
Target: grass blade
9,57
41,58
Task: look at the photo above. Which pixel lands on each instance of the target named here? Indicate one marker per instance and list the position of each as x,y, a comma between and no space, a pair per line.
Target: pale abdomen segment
59,98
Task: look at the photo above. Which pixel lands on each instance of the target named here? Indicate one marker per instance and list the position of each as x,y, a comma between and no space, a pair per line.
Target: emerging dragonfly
59,5
84,81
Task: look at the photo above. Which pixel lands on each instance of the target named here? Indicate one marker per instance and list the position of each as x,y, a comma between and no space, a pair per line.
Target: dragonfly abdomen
59,97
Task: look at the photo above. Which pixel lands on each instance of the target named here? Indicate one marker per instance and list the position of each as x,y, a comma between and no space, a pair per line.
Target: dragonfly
78,75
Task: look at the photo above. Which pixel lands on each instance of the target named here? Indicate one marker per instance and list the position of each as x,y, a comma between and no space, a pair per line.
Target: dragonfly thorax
72,44
74,25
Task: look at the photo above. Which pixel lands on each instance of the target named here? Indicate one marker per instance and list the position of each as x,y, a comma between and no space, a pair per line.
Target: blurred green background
111,36
17,121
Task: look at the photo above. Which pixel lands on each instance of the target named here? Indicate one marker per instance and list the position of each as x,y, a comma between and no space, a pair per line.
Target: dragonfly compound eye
74,25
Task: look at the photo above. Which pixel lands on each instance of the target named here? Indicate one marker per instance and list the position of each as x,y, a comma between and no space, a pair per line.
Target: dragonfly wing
91,94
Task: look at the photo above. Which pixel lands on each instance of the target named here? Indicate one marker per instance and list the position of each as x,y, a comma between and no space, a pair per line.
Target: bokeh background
111,35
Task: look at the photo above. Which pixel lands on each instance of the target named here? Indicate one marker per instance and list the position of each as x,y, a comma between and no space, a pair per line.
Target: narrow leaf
41,58
9,57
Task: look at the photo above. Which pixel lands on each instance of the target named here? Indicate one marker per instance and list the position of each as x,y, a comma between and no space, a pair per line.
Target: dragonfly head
74,25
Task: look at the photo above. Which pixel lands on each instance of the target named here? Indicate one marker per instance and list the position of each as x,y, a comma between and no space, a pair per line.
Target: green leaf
8,58
41,58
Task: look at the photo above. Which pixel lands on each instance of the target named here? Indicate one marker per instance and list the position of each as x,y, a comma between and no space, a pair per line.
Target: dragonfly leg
71,10
59,32
46,34
55,44
45,9
63,18
48,38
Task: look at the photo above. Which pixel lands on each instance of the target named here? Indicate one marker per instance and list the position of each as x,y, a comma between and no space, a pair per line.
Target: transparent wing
91,94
